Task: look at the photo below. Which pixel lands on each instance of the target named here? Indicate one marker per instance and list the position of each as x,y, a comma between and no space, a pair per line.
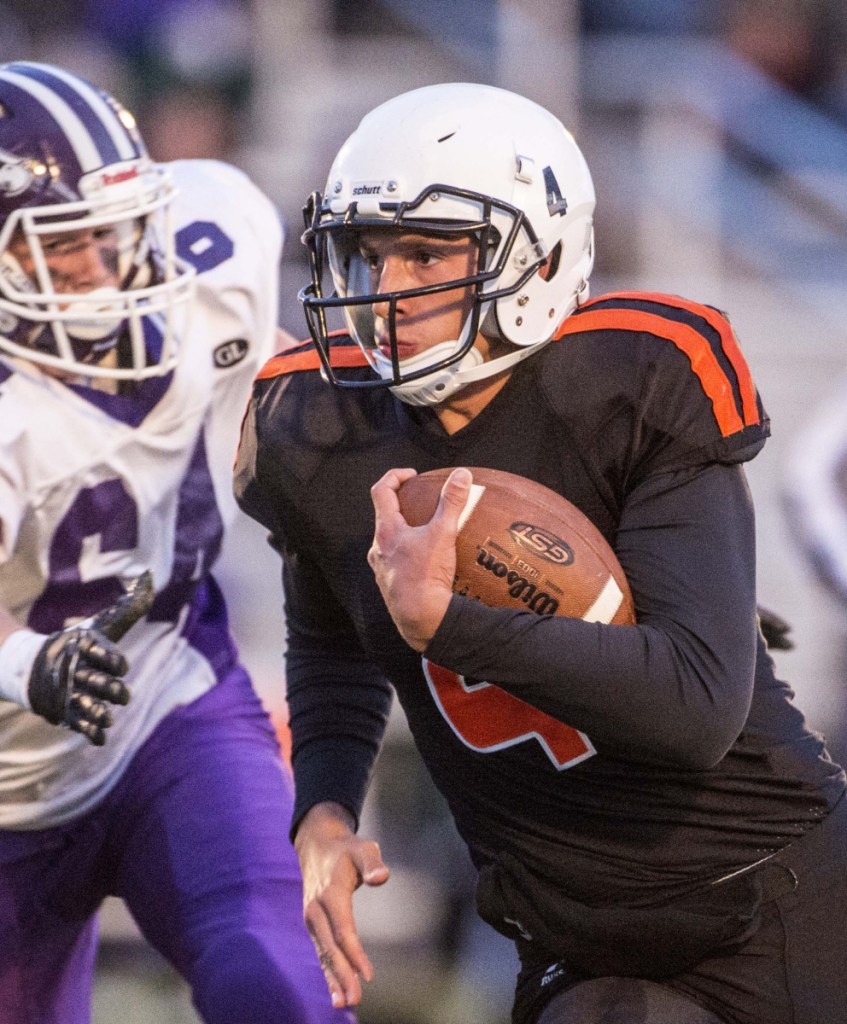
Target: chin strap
439,386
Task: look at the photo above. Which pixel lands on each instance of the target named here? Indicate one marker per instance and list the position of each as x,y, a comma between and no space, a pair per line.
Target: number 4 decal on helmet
488,719
556,202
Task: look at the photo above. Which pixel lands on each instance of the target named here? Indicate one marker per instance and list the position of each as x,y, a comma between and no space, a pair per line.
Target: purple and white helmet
72,160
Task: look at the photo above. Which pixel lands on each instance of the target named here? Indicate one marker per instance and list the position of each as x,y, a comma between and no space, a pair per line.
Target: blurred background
716,131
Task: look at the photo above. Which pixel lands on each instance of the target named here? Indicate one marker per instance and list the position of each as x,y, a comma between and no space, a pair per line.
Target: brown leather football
521,545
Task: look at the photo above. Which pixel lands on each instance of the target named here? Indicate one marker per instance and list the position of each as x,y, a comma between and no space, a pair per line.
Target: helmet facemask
45,318
498,234
455,157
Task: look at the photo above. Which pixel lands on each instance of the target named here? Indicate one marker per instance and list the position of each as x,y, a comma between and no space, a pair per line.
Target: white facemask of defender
77,187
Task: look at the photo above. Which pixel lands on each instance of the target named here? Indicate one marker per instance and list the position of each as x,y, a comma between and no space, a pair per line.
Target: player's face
78,261
398,262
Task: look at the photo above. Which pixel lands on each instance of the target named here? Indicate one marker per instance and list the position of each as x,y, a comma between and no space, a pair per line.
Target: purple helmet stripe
34,113
92,143
95,110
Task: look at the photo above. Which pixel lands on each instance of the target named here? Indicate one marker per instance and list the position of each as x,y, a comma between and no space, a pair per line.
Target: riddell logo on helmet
96,183
119,176
367,189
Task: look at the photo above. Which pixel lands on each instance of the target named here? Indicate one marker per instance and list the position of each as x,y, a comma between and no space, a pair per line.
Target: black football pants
792,971
623,1001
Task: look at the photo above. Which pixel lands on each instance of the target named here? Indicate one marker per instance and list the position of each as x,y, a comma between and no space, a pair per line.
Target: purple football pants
194,839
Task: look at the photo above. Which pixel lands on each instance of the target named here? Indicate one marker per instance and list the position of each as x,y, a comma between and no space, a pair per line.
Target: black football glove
775,630
77,671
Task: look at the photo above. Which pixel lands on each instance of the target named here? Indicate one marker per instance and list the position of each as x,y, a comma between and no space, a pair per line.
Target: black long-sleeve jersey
634,762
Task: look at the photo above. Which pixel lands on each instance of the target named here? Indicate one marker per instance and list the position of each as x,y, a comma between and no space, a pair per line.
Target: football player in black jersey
681,859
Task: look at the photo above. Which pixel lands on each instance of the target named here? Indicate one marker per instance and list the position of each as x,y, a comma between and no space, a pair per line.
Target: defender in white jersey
137,302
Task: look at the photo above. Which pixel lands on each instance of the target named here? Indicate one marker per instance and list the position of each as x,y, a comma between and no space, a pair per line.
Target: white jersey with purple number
95,488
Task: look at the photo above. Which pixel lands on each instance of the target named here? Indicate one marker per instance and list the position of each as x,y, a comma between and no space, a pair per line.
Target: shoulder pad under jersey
679,364
303,357
303,418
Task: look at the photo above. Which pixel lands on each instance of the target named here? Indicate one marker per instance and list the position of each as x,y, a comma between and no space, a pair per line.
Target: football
521,545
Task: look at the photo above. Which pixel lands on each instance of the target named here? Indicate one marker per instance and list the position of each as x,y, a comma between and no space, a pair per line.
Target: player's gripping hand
77,672
414,567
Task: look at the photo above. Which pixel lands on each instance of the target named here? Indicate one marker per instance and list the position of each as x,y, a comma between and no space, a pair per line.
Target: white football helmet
455,159
72,164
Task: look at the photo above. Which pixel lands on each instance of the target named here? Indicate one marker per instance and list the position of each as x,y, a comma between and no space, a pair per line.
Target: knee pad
623,1001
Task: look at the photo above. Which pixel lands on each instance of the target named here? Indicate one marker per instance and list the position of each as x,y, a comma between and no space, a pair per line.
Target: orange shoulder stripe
729,342
292,362
703,362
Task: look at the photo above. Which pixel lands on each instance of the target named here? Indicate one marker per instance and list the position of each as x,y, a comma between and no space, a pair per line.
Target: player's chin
405,350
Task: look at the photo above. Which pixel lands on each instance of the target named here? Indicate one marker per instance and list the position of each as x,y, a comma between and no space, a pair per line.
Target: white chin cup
437,387
434,387
89,320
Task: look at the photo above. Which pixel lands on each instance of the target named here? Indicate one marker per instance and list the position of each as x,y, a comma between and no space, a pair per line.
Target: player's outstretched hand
334,862
77,672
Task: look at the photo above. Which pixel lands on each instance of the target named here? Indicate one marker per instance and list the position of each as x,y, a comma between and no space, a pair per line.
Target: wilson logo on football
538,601
547,545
